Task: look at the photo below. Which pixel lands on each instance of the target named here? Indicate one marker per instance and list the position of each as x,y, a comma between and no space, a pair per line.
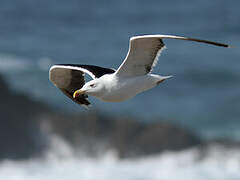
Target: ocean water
204,94
60,163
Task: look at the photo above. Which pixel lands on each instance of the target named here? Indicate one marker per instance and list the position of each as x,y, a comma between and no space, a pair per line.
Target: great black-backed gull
132,77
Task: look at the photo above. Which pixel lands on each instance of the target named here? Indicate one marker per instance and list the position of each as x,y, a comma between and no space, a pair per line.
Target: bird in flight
131,78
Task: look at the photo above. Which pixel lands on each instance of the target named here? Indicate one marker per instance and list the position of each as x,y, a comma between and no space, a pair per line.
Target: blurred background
186,128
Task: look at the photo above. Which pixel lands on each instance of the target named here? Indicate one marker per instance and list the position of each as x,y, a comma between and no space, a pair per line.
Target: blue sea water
204,94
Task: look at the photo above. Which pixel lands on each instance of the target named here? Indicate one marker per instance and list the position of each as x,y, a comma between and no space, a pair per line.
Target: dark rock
19,133
158,137
129,137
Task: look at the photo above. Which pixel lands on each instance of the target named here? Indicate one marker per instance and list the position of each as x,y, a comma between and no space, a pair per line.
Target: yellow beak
78,93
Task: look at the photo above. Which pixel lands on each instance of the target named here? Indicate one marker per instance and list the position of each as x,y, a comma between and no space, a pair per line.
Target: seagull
131,78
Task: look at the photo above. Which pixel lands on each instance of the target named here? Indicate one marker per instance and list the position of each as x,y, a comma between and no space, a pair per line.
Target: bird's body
115,87
131,78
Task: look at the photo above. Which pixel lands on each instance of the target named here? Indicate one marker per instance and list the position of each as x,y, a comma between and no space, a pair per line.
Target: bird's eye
92,85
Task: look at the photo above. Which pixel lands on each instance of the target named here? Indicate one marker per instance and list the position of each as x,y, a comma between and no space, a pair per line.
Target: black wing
93,71
70,77
68,81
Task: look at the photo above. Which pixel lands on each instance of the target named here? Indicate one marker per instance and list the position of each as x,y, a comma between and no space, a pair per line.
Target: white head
93,88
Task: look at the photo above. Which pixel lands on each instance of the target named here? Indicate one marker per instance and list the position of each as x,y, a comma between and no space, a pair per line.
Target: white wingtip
166,77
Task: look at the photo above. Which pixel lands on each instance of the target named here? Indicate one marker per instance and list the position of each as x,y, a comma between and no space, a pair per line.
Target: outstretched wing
144,51
69,78
91,70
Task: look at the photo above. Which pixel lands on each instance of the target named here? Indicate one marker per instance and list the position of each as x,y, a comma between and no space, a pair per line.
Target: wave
18,64
13,63
217,162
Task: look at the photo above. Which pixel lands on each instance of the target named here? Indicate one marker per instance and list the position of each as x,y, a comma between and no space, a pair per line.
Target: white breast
120,89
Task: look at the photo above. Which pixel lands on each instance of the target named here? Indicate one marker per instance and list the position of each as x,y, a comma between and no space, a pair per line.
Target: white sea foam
13,63
215,163
18,64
